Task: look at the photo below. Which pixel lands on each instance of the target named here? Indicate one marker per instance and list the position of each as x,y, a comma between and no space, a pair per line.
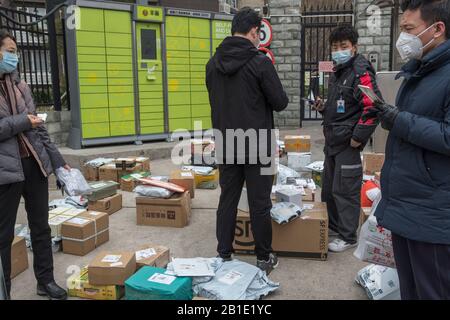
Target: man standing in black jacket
347,127
244,90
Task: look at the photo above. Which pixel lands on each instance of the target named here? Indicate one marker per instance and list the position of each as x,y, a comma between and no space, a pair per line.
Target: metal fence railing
318,21
33,45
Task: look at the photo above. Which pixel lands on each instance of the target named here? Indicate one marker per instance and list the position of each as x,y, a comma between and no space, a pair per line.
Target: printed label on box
144,254
111,258
98,185
231,277
136,176
162,278
186,174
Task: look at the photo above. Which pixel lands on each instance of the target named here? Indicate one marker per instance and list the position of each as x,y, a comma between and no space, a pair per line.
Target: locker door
150,77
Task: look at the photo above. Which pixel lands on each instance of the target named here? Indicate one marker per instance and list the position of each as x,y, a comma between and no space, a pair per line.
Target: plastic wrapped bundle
73,182
153,192
284,173
284,212
236,280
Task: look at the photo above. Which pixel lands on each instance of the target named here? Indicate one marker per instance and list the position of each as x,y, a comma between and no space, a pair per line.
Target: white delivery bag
375,242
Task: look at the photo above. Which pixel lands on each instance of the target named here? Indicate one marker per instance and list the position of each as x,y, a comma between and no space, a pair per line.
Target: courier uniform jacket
341,127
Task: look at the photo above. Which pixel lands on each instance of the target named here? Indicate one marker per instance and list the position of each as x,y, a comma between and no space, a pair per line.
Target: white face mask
410,46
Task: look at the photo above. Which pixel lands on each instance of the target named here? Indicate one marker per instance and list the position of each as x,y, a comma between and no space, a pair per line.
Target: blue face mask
9,62
341,57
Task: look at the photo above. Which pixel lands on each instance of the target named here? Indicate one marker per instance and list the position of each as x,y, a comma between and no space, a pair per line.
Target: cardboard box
297,143
372,162
145,162
108,172
78,286
91,173
109,205
172,212
102,189
289,195
124,163
127,171
309,196
19,256
364,215
210,181
55,224
112,268
184,179
130,181
153,256
84,233
305,237
73,212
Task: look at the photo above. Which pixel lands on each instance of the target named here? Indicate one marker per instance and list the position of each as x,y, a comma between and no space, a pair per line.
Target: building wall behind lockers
251,3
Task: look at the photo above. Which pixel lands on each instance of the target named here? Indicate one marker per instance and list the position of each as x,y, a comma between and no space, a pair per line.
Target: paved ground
300,279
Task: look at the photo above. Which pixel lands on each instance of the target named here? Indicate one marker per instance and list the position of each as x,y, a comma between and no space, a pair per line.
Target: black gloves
387,115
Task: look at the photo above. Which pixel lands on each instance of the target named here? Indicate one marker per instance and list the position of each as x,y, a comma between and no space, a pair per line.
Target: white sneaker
339,245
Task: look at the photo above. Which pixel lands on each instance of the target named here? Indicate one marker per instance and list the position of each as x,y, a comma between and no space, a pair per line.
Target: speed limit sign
266,33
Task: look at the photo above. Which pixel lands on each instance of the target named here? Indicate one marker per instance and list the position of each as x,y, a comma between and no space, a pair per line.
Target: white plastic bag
284,212
380,283
375,242
73,182
284,173
153,192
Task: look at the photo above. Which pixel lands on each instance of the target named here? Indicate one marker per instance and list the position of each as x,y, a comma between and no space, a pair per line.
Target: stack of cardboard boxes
298,149
118,168
104,278
104,197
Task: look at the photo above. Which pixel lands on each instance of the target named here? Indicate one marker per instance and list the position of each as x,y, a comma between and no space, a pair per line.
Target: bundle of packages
236,280
153,192
72,182
284,212
380,283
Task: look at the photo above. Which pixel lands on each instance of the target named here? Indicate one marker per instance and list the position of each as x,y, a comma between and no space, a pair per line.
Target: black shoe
268,265
52,290
225,258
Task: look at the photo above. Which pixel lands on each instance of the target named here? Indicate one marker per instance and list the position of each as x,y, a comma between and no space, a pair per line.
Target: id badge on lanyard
340,105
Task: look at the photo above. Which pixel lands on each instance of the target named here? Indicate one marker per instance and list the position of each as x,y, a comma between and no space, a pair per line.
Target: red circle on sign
268,53
266,23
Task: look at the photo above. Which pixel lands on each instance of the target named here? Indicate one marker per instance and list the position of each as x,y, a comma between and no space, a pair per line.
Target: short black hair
5,34
431,11
345,32
245,20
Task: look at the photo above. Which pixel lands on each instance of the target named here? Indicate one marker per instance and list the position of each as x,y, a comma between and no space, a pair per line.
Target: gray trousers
341,190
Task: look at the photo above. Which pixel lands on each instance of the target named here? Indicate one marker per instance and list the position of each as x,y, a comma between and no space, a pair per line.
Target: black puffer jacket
339,128
244,91
16,123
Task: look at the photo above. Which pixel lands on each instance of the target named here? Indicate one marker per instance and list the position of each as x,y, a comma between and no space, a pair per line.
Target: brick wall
286,23
374,31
